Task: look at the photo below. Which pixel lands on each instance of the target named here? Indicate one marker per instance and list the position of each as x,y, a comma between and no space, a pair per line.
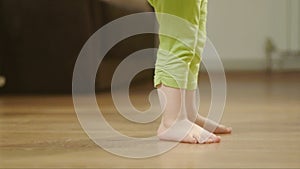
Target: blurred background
41,39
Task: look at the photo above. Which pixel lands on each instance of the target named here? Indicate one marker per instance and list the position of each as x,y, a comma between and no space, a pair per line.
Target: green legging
179,66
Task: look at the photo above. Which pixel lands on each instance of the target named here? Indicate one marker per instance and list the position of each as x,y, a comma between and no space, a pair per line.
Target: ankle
192,117
166,123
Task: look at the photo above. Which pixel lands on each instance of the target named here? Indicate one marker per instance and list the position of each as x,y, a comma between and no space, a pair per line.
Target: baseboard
259,64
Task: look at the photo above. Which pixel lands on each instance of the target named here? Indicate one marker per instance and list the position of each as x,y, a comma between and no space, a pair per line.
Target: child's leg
174,56
192,110
171,74
193,77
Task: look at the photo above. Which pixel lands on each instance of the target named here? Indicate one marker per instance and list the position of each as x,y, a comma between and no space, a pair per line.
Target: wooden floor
264,111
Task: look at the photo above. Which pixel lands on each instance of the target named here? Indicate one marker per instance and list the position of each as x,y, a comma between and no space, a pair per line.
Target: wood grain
264,111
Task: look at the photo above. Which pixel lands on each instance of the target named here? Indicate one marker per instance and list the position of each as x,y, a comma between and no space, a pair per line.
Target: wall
239,29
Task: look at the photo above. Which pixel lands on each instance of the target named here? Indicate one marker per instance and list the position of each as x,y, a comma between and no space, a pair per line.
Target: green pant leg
195,63
174,58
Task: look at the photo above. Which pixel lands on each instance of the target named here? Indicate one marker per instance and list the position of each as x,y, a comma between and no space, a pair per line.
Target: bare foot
220,129
186,132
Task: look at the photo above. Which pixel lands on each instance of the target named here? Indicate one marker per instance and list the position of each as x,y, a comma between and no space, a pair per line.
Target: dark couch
41,39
